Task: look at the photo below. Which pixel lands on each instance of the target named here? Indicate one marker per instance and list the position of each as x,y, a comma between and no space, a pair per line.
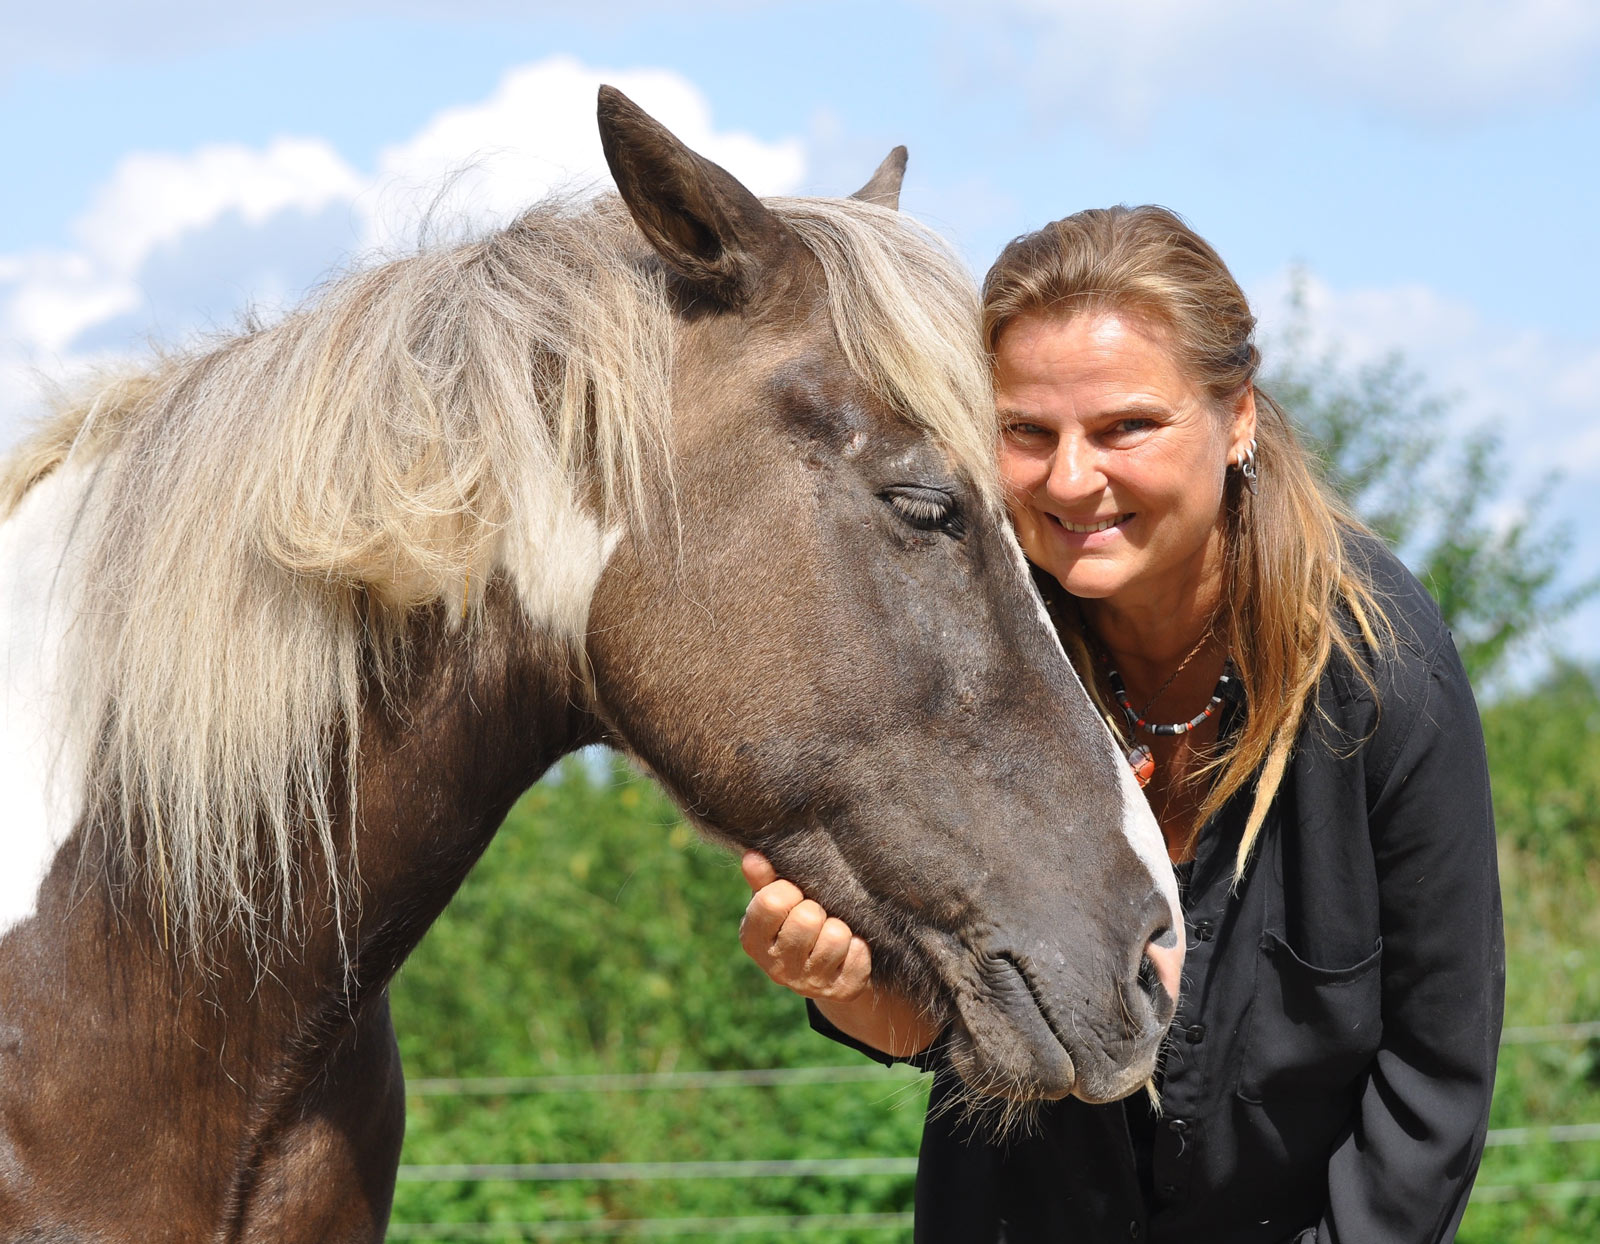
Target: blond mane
261,512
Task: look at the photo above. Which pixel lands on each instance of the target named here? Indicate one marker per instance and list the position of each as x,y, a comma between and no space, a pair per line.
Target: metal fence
503,1086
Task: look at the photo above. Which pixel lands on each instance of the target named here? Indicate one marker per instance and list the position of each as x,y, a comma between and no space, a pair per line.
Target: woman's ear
1243,431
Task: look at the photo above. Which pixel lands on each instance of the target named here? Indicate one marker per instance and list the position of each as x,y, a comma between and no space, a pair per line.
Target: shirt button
1195,1034
1168,1191
1203,929
1178,1126
1134,1231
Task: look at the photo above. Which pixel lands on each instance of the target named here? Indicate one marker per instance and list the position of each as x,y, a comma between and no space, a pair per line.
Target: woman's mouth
1090,528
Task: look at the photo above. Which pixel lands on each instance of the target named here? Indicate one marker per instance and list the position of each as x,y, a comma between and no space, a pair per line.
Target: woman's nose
1074,471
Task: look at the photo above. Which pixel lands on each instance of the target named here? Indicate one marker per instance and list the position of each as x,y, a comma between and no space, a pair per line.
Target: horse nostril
1162,964
1160,969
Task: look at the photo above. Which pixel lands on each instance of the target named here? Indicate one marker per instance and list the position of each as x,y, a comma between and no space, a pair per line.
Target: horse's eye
931,509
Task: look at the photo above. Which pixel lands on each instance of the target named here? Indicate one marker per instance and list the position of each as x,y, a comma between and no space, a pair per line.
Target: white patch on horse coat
41,759
555,553
1144,832
1139,824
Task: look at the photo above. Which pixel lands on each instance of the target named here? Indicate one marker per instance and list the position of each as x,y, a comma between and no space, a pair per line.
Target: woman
1310,746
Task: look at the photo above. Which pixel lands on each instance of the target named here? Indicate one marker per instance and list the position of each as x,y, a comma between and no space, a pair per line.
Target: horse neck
472,721
477,716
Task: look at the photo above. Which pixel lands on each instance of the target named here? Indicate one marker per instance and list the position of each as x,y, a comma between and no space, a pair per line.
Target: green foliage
1545,749
1386,444
593,880
1552,978
599,935
1544,757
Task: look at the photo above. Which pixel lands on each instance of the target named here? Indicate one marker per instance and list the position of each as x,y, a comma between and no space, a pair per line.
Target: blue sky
1432,166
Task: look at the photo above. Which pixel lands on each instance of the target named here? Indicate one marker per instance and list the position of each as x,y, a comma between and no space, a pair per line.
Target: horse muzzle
1036,1024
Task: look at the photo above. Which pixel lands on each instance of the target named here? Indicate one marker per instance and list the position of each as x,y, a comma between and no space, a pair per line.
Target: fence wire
540,1172
778,1077
839,1168
760,1224
1575,1190
648,1081
1550,1033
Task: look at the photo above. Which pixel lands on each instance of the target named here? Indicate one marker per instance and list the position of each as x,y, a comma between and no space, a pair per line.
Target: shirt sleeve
927,1060
820,1023
1404,1172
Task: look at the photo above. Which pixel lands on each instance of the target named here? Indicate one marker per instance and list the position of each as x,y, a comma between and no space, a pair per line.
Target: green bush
1544,759
599,935
1545,751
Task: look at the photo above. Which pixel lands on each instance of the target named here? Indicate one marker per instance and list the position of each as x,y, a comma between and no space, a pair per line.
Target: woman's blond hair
1292,589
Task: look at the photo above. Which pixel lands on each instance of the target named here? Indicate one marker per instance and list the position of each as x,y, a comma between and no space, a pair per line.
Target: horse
296,615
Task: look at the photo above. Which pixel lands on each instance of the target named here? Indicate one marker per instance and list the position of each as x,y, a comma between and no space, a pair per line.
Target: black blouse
1329,1070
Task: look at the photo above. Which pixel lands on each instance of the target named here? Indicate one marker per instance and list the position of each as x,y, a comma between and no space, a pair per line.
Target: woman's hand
798,944
805,949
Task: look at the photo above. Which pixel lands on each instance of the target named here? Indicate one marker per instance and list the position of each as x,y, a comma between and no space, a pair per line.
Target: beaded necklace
1168,729
1140,758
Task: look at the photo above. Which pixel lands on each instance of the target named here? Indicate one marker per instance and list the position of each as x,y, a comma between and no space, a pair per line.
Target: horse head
296,616
824,640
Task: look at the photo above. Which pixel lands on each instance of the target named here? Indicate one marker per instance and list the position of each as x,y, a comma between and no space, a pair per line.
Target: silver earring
1247,468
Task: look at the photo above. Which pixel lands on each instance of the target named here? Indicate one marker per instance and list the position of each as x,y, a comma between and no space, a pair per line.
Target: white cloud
56,296
156,197
537,132
151,200
186,239
1576,383
1425,60
1539,393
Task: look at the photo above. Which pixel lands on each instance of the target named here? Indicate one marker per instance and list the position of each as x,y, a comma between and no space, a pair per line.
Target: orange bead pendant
1143,763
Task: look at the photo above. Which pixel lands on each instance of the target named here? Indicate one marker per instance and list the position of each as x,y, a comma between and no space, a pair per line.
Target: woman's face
1114,461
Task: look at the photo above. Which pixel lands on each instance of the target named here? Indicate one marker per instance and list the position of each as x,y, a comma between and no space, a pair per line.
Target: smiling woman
1116,460
1125,336
1311,750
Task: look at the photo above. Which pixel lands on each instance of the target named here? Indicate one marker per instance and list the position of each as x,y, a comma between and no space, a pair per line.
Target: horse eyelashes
922,507
920,511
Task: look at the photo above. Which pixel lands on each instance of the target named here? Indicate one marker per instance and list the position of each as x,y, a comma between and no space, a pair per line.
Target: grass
1552,977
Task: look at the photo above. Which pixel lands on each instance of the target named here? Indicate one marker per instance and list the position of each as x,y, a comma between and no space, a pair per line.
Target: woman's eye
931,509
1128,427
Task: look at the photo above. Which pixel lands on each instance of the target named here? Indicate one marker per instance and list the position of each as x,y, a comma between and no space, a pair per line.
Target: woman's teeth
1087,529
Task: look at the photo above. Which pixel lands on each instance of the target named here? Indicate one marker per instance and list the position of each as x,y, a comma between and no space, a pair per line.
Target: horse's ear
883,187
698,216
